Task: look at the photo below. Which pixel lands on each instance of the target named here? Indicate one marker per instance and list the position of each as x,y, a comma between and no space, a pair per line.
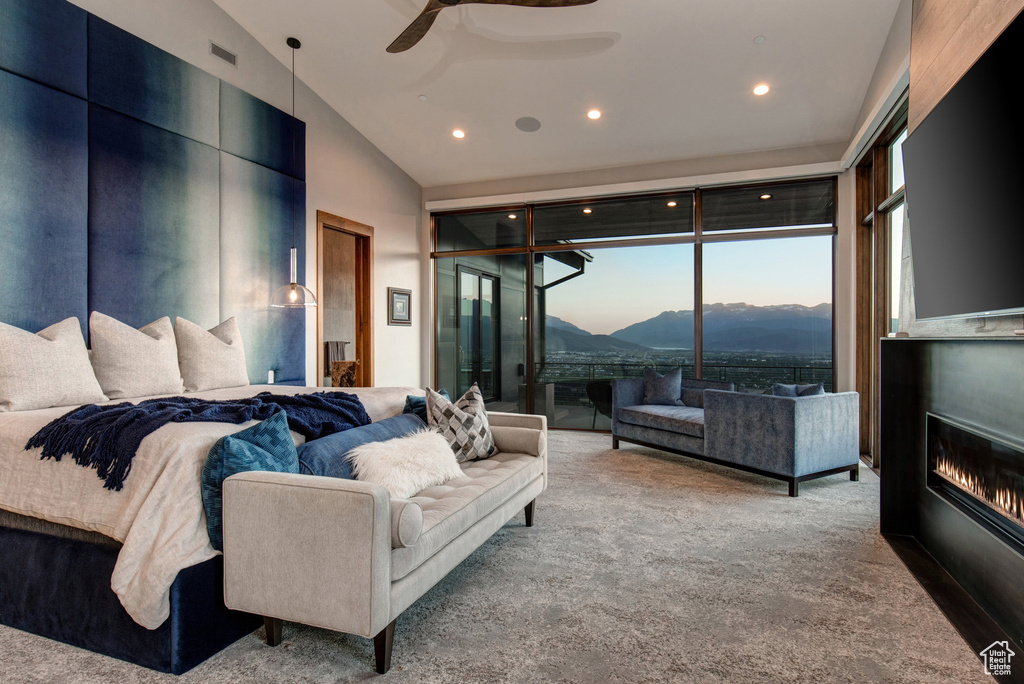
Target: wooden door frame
364,292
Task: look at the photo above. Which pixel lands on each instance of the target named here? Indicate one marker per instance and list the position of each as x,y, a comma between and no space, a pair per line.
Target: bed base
60,589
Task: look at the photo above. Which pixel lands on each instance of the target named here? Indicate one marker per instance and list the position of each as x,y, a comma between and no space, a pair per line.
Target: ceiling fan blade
530,3
418,28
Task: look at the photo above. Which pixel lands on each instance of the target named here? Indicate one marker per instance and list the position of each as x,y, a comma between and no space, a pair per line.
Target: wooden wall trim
947,38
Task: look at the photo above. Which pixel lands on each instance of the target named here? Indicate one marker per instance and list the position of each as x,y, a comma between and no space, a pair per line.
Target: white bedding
158,516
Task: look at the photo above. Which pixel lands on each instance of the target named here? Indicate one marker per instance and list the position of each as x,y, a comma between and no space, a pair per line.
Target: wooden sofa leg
382,644
794,487
855,474
615,442
529,513
273,626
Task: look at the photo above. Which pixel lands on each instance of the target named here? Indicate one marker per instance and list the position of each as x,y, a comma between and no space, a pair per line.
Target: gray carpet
642,567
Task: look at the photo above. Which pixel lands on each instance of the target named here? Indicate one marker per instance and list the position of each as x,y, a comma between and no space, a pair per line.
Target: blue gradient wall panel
154,216
254,130
255,238
43,204
130,76
45,40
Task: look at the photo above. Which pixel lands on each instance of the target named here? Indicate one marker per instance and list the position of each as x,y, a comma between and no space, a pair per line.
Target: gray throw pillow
463,423
663,390
780,390
210,359
134,363
49,368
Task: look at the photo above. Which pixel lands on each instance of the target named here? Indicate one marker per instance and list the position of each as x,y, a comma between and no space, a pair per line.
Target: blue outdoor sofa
788,438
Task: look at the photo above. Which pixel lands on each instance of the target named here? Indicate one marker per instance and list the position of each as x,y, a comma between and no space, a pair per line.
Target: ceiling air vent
223,53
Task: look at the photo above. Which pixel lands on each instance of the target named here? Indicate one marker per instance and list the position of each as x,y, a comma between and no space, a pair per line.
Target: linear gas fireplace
980,474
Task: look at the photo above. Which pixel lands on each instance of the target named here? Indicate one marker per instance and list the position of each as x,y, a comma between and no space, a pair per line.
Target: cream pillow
210,359
50,368
406,465
134,363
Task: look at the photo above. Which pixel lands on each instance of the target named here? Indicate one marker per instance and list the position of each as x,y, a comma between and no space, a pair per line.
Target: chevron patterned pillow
463,423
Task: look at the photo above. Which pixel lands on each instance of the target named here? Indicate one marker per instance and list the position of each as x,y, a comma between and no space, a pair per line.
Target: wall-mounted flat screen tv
964,169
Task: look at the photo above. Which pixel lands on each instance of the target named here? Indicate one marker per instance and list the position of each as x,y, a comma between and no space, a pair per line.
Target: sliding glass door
478,332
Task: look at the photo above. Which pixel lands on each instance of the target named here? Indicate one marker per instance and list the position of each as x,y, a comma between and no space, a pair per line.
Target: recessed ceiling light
512,216
766,196
761,89
673,203
459,133
588,210
528,124
423,98
758,40
594,114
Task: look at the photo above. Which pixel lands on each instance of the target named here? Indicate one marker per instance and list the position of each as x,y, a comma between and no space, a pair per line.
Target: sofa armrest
517,420
522,440
314,550
627,392
784,435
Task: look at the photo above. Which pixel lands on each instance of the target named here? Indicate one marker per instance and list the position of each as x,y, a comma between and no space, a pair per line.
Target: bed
127,573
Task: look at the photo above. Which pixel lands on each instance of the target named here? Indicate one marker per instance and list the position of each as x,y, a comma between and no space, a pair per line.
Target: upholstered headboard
136,184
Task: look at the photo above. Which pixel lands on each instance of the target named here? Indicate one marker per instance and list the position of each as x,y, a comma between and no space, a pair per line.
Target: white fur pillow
406,465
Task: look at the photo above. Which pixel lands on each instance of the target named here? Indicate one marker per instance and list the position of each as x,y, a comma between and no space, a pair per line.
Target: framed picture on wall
399,306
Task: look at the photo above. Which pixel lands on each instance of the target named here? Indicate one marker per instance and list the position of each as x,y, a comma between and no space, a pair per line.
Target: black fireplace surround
951,443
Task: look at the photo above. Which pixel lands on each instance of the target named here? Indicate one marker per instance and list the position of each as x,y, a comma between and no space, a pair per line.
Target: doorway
344,317
479,334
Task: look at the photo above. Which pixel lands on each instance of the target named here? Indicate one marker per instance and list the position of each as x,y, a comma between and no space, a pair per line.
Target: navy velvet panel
254,130
60,589
130,76
256,236
43,204
45,40
154,215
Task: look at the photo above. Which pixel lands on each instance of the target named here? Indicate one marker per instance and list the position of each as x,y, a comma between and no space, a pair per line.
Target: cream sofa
342,555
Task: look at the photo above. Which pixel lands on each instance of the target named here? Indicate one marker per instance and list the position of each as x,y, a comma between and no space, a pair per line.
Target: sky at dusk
628,285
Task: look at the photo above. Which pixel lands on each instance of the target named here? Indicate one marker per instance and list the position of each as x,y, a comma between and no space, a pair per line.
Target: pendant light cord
293,148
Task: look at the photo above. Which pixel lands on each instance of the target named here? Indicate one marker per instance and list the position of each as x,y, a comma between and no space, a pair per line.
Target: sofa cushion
418,405
662,390
463,423
452,508
685,420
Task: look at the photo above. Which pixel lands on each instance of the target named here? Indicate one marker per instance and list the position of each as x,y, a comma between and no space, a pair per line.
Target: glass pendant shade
293,295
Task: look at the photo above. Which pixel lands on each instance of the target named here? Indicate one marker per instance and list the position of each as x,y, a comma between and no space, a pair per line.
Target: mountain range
727,327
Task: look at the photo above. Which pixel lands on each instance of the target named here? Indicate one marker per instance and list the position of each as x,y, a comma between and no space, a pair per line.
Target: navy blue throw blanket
107,437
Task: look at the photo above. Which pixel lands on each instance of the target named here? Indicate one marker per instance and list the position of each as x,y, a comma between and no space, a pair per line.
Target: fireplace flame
1009,503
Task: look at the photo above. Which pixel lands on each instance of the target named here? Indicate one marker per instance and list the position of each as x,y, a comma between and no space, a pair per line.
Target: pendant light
293,295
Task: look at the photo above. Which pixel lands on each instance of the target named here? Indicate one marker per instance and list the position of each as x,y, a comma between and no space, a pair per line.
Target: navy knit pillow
418,405
328,456
780,390
266,446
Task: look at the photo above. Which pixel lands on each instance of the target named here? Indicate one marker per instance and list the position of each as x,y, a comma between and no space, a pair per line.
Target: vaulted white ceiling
673,78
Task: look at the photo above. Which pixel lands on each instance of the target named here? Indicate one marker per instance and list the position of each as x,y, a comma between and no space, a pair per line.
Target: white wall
345,174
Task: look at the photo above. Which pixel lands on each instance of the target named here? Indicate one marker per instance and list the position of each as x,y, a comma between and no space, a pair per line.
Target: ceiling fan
421,24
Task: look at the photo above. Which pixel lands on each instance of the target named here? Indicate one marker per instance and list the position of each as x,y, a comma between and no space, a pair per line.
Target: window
730,283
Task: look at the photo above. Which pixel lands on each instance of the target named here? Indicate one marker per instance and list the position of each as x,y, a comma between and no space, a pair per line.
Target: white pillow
50,368
134,363
210,359
406,465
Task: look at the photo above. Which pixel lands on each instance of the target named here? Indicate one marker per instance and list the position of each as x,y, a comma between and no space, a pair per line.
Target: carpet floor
641,567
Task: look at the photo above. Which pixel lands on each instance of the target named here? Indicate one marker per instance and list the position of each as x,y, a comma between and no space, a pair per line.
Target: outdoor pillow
49,368
327,456
406,465
210,359
134,363
693,397
418,405
463,423
663,390
780,390
266,446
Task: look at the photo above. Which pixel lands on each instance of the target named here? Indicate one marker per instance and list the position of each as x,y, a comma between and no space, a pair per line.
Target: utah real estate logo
997,658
